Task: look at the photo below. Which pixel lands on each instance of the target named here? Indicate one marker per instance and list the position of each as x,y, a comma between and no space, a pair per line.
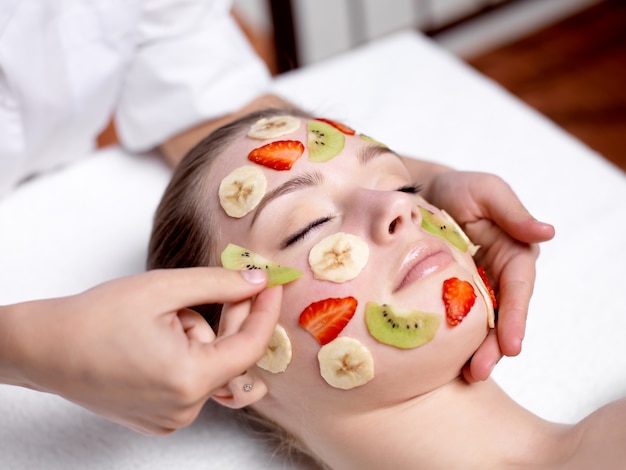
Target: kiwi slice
402,328
324,141
438,225
371,140
238,258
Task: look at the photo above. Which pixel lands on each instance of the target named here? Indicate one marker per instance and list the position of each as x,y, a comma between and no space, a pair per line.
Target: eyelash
413,188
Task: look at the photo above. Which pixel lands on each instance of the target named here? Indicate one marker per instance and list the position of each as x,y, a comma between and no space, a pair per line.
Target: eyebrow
315,178
305,180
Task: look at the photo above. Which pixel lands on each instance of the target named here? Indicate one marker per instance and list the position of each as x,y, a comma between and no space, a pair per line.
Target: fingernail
254,276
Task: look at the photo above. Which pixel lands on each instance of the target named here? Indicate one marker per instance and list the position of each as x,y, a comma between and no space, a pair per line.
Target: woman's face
367,192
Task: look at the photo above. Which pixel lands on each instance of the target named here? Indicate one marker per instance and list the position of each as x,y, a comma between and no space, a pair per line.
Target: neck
477,424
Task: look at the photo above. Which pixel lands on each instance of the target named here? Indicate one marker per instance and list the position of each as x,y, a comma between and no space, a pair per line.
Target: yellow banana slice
278,353
272,127
241,190
338,257
345,363
491,314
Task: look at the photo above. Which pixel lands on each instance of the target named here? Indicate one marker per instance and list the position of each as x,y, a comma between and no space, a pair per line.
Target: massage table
89,222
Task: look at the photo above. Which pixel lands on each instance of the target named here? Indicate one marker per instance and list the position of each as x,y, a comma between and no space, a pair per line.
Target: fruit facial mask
458,297
325,319
278,155
402,328
339,257
242,190
324,141
278,353
272,127
239,259
345,363
444,226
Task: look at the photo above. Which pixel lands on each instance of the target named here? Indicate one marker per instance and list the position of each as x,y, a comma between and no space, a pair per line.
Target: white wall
324,26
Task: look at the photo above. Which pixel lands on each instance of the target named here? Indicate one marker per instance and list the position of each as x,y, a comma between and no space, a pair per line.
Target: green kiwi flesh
438,225
240,259
401,328
371,140
324,141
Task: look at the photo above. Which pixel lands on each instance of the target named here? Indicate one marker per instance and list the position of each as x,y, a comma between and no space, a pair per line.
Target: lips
422,261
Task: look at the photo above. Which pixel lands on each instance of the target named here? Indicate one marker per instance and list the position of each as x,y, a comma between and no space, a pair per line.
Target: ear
240,391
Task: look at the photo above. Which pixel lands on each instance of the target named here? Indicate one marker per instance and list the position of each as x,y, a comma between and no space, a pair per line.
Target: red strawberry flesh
278,155
325,319
458,298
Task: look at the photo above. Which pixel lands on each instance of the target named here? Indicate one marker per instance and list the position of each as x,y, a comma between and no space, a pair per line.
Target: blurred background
565,58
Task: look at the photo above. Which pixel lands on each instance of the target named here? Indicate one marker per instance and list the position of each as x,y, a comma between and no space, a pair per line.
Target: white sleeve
192,63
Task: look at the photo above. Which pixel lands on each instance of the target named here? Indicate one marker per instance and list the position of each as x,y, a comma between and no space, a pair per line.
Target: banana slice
345,363
471,248
278,353
491,314
242,190
338,257
272,127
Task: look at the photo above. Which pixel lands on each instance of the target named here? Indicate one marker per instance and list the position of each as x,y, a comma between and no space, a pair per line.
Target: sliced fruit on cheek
240,259
278,155
458,297
489,296
278,353
345,363
324,141
401,328
339,257
272,127
325,319
242,190
444,226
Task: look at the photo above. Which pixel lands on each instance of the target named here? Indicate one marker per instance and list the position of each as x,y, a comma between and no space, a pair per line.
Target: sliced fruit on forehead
402,328
440,225
338,125
458,298
339,257
275,126
278,155
371,140
278,353
239,258
486,291
325,319
242,190
324,141
345,363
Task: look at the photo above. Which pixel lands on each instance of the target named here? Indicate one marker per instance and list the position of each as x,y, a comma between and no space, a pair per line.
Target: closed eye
302,234
413,188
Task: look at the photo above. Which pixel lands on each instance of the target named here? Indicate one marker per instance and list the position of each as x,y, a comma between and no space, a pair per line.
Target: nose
389,214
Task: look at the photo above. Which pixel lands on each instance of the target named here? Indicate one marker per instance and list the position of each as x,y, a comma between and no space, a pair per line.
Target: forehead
357,150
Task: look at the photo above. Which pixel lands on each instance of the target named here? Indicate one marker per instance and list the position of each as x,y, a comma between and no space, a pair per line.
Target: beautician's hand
130,351
492,216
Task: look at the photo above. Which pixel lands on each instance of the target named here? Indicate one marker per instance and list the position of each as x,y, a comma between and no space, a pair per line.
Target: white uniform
160,65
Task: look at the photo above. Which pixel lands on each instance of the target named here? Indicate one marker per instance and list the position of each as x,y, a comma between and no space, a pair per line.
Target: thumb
174,289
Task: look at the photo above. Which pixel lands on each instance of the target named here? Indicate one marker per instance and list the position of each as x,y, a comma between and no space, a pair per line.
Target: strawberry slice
278,155
483,275
337,125
325,319
458,297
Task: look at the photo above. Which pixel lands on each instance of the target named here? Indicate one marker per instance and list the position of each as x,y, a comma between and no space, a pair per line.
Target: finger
195,326
233,315
516,288
173,289
237,352
484,359
509,213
